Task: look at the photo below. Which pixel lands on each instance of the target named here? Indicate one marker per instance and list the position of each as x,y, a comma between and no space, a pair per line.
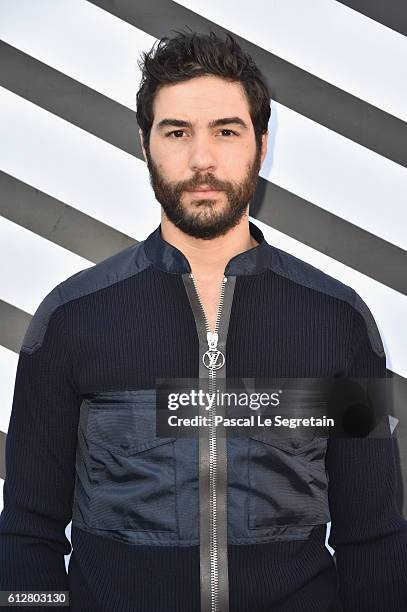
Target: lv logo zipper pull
213,358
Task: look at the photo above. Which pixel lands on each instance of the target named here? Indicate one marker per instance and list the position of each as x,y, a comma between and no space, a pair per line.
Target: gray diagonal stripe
272,205
59,94
14,323
392,13
331,235
52,219
290,85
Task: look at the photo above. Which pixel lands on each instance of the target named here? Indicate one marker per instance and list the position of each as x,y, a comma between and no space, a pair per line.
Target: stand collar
170,259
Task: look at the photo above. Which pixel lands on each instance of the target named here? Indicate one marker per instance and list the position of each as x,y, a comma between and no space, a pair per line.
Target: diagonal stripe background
74,188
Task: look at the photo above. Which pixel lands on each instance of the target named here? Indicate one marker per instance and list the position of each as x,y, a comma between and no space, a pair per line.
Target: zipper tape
222,480
214,578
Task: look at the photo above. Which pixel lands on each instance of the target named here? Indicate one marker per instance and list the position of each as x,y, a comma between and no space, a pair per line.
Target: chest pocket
131,471
288,484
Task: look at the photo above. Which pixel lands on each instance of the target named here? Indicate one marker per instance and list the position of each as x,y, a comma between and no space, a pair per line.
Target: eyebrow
215,123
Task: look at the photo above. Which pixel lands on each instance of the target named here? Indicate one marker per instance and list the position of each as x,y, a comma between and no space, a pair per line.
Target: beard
199,218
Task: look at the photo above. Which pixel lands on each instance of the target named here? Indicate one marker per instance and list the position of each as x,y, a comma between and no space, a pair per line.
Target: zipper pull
212,340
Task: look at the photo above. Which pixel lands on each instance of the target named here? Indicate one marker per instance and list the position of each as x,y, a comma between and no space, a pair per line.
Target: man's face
203,159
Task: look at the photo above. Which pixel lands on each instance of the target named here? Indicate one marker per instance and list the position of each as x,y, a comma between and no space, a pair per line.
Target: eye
178,134
175,133
229,132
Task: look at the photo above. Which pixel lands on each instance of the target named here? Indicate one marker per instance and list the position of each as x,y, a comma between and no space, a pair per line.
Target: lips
203,190
203,187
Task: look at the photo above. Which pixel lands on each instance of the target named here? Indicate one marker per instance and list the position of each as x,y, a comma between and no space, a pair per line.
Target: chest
209,295
149,332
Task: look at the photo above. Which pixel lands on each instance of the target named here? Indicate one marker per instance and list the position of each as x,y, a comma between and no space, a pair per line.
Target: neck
208,258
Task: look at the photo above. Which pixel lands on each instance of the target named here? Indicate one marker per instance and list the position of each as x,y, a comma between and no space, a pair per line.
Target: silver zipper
213,355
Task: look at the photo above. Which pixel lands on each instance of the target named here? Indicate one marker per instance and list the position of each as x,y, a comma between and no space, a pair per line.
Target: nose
202,154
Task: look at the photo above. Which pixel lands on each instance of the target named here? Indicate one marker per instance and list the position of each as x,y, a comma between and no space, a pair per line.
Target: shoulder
117,267
300,272
303,273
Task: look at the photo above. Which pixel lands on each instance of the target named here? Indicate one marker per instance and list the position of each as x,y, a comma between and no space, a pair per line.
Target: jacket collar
170,259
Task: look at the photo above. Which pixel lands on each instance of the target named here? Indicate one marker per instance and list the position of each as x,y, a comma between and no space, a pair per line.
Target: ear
142,144
264,141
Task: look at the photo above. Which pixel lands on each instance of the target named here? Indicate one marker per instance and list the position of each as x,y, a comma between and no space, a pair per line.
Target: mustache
208,180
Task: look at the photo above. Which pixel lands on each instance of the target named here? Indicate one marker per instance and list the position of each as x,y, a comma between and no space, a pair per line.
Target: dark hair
192,54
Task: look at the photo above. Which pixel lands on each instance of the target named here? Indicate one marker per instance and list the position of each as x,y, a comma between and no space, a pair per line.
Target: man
163,524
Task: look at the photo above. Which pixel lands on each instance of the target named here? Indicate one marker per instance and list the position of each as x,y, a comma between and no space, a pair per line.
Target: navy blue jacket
170,524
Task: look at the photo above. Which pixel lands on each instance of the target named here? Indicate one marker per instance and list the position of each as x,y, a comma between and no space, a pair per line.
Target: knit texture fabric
126,335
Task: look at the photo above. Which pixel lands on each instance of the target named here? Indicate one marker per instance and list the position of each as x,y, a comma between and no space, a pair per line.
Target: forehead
199,98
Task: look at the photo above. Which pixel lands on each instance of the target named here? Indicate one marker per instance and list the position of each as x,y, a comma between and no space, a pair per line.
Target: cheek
237,163
235,168
171,170
170,166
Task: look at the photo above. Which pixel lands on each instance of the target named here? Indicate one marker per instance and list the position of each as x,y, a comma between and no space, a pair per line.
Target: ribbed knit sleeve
40,460
368,531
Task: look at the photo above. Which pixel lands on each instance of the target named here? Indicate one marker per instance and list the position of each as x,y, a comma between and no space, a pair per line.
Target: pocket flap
124,422
294,446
